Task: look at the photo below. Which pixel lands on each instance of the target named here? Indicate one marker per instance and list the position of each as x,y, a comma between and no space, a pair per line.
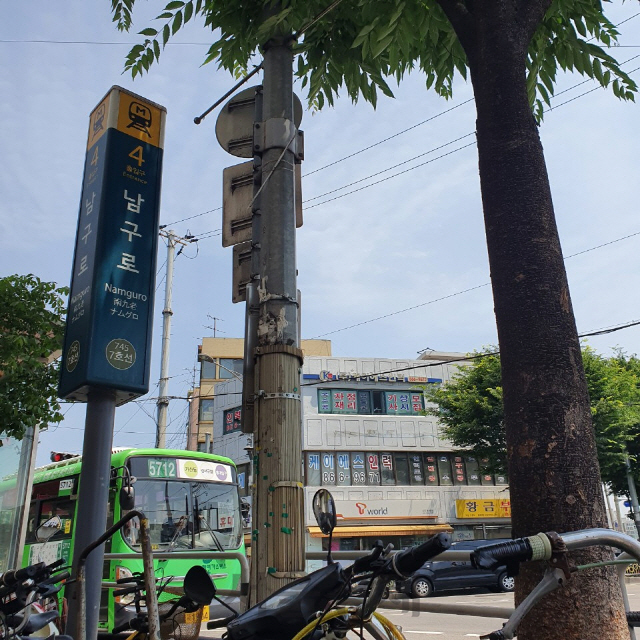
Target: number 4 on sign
136,154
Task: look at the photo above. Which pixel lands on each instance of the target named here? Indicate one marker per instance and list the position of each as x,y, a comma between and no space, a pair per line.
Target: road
418,625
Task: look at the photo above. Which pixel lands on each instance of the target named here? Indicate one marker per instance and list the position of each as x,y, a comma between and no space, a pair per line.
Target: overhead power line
459,293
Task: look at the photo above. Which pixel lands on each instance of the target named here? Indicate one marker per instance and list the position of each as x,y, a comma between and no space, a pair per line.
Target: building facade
221,360
393,474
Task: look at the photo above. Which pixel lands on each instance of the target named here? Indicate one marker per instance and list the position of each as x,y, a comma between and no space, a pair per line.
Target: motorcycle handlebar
10,578
361,565
410,560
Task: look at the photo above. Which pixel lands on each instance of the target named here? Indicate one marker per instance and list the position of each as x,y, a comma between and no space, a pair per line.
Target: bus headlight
123,572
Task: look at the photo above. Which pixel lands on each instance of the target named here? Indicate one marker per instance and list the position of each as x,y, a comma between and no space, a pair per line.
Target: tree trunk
553,469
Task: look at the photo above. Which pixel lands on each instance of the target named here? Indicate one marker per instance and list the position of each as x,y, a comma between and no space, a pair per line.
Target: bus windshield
185,514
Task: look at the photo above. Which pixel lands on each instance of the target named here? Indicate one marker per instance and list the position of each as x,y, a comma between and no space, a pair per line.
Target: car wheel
506,582
421,588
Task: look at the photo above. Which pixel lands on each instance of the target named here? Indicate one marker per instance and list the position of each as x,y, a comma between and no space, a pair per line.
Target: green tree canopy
361,44
31,332
471,409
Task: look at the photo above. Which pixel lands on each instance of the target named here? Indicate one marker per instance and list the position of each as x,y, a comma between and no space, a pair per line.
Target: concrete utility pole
167,312
277,554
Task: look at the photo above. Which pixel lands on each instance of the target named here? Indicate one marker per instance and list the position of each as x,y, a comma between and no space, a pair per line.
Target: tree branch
462,20
530,14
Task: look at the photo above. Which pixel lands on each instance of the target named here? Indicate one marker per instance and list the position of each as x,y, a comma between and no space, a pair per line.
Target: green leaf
378,47
173,6
188,11
597,71
148,32
166,34
177,23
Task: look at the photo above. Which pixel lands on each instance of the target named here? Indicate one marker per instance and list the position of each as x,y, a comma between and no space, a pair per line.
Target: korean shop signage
329,376
489,508
352,510
233,420
109,318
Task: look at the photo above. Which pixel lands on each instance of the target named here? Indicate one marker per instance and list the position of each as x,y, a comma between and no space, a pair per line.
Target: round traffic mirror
324,509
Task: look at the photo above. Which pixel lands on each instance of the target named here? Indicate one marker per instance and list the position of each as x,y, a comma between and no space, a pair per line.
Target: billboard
109,317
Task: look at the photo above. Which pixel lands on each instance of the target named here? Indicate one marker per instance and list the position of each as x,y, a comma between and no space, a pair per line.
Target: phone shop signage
381,509
109,317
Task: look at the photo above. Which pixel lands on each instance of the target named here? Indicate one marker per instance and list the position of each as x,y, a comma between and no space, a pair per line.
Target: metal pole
278,529
633,495
93,499
163,400
24,486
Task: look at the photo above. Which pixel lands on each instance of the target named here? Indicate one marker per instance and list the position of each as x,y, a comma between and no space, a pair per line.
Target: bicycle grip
518,550
633,618
410,560
57,577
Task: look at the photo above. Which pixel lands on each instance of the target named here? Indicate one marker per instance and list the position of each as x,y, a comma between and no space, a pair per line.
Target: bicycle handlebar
410,560
519,550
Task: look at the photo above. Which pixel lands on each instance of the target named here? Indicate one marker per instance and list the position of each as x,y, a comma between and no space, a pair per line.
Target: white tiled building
392,473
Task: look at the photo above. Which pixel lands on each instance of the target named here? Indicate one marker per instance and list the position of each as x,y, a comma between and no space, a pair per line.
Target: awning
368,531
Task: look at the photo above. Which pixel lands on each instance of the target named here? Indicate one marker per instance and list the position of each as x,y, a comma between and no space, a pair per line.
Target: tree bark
553,469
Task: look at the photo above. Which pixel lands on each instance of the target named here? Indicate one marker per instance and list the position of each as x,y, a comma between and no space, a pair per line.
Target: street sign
237,200
237,197
234,126
241,271
109,318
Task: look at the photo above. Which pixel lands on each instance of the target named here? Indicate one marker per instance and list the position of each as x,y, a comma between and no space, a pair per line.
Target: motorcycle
308,608
24,592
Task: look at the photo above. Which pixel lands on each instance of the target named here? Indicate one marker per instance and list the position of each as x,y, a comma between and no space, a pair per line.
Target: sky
391,256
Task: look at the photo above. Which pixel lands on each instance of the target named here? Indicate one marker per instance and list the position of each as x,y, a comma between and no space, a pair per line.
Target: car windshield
188,515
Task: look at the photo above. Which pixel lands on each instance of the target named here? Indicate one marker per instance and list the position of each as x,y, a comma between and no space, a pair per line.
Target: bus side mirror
48,529
127,498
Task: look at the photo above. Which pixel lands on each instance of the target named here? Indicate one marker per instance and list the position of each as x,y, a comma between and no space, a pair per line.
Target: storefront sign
329,376
380,509
488,508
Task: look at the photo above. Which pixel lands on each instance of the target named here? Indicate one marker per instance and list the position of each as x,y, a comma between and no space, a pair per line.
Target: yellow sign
139,118
487,508
98,121
129,113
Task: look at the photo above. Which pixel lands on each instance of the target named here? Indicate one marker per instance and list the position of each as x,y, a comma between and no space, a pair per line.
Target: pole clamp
273,396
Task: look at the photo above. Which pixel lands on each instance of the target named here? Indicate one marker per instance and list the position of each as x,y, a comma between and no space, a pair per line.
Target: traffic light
57,456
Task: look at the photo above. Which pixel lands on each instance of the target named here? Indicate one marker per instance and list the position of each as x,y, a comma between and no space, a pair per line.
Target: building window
367,402
206,410
208,370
229,367
399,469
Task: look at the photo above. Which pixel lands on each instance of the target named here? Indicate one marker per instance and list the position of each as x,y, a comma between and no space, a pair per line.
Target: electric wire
463,291
465,358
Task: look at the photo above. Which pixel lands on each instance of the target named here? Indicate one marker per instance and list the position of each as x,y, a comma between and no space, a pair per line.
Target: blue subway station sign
109,319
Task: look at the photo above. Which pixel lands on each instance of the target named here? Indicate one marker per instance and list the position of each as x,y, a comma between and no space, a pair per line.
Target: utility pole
261,210
167,312
278,534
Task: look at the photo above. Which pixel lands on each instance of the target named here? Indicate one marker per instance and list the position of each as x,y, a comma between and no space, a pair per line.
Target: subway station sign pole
106,354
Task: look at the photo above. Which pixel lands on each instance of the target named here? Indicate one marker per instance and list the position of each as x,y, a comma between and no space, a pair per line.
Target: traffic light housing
58,456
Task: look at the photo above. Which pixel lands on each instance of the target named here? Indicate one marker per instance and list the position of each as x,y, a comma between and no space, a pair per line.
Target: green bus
190,499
